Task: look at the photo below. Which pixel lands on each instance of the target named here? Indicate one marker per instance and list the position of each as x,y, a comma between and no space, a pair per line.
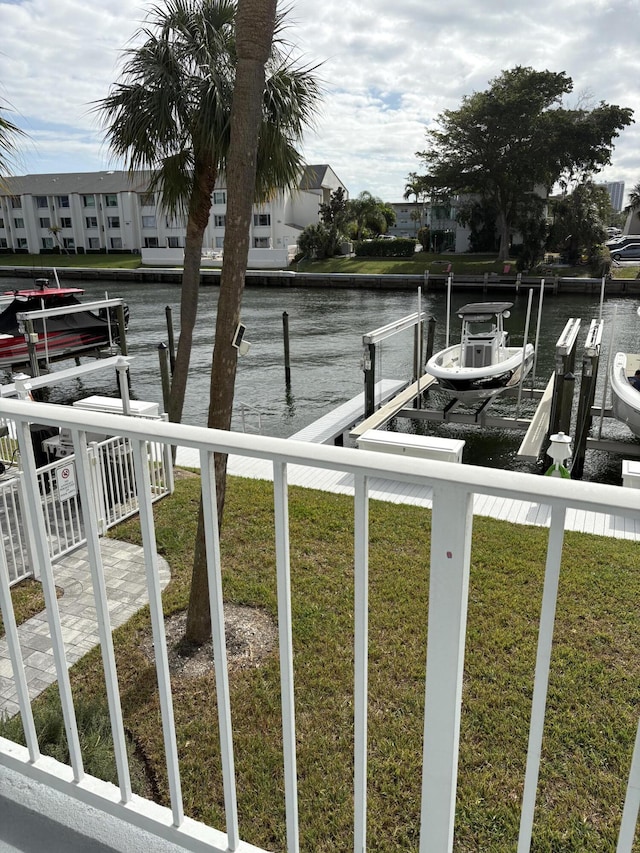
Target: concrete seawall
288,278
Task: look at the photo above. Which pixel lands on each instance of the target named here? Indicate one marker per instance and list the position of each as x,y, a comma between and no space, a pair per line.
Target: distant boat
625,399
482,365
59,337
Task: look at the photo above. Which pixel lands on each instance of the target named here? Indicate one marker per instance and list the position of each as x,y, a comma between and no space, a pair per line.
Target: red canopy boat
62,335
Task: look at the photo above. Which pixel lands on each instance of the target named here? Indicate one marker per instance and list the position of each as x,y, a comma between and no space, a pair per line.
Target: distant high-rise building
616,194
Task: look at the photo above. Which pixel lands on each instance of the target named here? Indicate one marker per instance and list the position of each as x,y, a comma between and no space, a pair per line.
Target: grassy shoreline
462,264
595,677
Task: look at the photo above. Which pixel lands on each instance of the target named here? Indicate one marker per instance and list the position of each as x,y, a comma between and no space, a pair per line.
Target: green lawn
594,684
421,262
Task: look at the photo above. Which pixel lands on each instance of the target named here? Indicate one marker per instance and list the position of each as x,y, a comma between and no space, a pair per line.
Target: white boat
482,364
625,399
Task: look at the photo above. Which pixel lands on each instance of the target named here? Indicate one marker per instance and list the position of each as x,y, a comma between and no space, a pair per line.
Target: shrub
401,248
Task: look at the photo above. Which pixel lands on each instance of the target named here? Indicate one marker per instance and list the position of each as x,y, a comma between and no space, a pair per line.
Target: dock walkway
516,512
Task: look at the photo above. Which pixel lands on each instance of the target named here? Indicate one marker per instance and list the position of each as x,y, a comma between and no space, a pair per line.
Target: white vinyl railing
453,488
114,491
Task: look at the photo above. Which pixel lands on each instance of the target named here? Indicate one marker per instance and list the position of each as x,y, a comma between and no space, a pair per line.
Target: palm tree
416,186
170,113
255,24
9,135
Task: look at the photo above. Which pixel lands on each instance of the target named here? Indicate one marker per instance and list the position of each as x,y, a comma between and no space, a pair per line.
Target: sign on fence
66,481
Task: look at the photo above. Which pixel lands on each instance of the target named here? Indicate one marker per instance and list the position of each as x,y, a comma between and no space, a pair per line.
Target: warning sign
66,480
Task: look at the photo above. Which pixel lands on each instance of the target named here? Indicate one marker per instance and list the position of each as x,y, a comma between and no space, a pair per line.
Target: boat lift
27,318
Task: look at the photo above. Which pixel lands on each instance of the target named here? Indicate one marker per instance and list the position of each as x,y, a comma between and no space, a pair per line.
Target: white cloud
389,68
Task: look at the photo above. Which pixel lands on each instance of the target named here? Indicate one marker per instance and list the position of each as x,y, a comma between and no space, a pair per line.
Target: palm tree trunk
255,21
199,208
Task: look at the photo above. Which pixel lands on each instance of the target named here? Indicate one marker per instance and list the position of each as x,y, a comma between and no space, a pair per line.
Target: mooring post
32,339
287,365
431,333
163,355
122,329
172,348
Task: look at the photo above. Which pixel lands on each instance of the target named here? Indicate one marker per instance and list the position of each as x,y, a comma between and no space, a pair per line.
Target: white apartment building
106,212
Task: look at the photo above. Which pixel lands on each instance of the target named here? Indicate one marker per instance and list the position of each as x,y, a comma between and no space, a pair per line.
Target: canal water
326,328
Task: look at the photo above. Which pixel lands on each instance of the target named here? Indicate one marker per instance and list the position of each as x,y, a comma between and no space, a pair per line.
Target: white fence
454,487
114,491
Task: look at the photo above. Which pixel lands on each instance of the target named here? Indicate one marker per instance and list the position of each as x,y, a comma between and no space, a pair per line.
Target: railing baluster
102,616
214,576
361,659
147,528
15,653
36,511
283,569
541,682
451,525
631,802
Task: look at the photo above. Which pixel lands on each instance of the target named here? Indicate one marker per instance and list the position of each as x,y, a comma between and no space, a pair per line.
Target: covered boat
61,335
482,364
625,398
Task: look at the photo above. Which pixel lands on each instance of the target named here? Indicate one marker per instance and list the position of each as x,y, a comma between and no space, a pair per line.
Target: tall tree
418,187
170,113
578,220
367,212
505,143
255,24
10,134
634,198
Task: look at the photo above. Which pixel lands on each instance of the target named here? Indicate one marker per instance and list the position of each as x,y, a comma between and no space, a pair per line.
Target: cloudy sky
388,67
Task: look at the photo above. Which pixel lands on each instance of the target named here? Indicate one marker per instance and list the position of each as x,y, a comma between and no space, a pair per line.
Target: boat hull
470,384
625,400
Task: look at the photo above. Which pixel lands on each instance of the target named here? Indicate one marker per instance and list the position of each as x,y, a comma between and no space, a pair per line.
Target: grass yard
592,706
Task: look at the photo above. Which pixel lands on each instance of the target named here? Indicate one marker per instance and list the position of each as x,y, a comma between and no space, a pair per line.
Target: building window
89,200
94,242
174,243
260,242
21,243
47,242
148,199
18,222
262,219
111,200
148,222
220,197
41,201
219,220
65,222
63,200
45,222
3,243
115,242
219,242
16,202
68,242
1,223
91,221
151,242
113,221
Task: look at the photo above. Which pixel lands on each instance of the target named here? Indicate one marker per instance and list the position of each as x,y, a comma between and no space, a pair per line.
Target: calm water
326,328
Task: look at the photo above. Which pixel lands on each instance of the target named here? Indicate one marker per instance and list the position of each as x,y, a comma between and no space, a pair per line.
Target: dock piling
287,364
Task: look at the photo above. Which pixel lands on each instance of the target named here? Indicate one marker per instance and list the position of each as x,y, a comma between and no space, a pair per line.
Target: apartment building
116,212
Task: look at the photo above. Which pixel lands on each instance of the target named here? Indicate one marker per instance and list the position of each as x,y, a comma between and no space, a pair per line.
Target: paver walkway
126,592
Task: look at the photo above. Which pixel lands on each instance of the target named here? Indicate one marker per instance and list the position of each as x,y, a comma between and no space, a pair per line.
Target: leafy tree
10,135
634,198
170,113
255,23
334,212
578,221
506,142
